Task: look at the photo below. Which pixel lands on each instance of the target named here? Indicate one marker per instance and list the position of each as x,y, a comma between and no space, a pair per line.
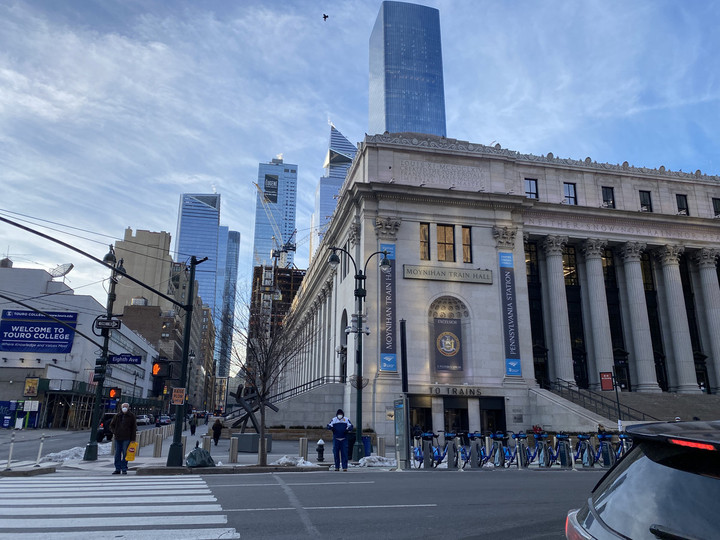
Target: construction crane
283,248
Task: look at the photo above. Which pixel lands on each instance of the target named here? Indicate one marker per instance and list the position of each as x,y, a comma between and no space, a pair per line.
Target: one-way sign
124,359
107,323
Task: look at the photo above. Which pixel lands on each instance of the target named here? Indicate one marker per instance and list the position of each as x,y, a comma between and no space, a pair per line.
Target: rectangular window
531,190
570,194
467,245
716,207
682,205
645,201
608,197
424,241
446,243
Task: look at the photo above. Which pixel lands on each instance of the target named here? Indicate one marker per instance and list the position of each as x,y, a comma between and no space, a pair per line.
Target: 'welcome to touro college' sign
28,331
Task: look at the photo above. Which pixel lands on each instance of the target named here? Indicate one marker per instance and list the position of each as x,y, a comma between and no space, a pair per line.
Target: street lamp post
360,292
191,358
175,454
91,450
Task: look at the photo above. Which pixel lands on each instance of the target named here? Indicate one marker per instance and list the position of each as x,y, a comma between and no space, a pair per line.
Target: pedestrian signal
161,369
115,393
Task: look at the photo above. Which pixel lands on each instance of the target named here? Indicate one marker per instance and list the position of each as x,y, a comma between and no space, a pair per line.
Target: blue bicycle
518,455
437,454
622,446
465,453
540,452
584,450
605,452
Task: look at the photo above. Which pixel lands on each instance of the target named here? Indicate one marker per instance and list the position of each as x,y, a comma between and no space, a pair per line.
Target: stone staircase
668,406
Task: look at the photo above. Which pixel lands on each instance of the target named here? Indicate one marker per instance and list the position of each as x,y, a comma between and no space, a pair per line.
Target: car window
667,487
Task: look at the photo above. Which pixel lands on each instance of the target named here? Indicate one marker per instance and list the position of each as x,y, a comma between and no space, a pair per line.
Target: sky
110,109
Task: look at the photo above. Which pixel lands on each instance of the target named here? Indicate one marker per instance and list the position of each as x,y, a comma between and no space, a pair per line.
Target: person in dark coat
193,424
124,429
217,428
340,425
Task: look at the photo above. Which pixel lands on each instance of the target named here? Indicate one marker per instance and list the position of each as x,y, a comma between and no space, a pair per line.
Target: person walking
340,425
193,424
124,429
217,428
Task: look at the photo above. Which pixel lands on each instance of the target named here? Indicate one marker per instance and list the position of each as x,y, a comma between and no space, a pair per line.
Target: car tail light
573,530
691,444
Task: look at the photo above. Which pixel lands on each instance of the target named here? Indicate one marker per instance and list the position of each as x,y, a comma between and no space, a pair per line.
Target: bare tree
265,348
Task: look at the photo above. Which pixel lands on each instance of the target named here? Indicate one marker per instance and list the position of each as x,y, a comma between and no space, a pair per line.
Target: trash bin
367,445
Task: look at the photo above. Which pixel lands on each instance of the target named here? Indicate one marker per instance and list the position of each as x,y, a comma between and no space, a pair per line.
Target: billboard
271,188
28,331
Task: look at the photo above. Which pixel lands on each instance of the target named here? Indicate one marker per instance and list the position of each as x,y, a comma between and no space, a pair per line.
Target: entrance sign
606,380
509,316
28,331
388,349
438,273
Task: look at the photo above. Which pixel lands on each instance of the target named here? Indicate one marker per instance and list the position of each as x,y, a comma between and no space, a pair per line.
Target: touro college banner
388,350
448,351
509,316
28,331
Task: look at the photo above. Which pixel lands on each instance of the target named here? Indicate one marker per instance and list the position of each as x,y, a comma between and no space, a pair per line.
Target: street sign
178,396
107,323
124,359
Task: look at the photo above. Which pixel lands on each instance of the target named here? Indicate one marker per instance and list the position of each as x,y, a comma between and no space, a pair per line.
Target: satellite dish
62,270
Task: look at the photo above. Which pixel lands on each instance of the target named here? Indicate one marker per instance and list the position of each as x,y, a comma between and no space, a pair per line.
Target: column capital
669,254
593,248
554,245
632,251
354,234
706,257
504,237
386,227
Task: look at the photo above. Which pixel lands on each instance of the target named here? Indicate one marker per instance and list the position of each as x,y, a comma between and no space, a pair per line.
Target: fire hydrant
321,450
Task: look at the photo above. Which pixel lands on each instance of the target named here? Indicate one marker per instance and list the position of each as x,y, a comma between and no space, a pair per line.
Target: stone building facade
512,271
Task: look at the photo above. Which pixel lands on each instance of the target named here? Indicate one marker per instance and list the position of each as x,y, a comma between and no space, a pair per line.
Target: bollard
12,443
381,446
475,454
206,443
234,442
427,454
303,448
42,441
157,449
112,447
320,450
184,444
451,454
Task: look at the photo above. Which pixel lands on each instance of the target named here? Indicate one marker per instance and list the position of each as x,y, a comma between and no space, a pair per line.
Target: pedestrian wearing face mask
124,428
340,425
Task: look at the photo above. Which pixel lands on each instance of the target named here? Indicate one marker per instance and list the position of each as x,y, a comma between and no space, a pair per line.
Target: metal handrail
597,402
306,387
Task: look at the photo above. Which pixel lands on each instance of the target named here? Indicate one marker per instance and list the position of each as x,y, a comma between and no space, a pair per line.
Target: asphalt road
413,504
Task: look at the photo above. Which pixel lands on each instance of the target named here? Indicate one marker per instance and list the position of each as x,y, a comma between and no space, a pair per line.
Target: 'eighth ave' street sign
124,359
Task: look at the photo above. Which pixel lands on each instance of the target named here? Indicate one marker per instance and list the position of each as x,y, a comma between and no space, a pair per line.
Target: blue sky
110,109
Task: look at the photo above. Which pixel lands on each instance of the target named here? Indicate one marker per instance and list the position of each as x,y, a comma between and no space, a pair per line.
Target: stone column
599,319
557,299
639,323
669,258
706,260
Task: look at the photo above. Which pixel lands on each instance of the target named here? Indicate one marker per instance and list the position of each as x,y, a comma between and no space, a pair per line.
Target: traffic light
99,374
115,393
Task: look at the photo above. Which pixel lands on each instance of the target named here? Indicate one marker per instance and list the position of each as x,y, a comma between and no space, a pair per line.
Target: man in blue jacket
340,425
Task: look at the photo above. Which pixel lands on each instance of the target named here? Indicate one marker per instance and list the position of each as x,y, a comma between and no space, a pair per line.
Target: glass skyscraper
198,234
278,182
224,332
406,74
337,162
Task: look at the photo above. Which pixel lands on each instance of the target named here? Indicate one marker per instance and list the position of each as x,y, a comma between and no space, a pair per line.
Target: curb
28,472
246,469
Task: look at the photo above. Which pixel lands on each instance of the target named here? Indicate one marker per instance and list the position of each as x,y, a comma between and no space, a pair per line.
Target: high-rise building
197,234
226,300
275,210
337,162
406,73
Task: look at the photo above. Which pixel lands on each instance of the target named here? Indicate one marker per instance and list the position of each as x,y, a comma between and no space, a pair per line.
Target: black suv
667,486
104,428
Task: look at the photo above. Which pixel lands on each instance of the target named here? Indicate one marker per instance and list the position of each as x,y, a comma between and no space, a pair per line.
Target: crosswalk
118,507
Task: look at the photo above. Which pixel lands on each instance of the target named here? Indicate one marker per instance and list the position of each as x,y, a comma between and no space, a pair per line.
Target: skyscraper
198,234
406,74
227,301
274,210
337,162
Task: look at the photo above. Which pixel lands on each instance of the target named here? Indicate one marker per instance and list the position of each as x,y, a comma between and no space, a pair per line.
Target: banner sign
124,358
448,350
28,331
31,386
509,316
388,349
271,189
606,380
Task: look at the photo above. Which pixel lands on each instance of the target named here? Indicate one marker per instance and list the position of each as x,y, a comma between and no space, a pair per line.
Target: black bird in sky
325,17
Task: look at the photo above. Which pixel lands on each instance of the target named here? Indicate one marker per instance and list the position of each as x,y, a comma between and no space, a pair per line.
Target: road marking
103,510
304,516
111,520
127,534
112,500
292,484
361,507
127,491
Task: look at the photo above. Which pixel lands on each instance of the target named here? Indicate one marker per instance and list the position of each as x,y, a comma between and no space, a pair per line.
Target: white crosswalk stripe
143,508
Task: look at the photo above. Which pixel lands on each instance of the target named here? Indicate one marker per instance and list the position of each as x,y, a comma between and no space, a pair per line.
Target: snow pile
294,461
377,461
76,453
